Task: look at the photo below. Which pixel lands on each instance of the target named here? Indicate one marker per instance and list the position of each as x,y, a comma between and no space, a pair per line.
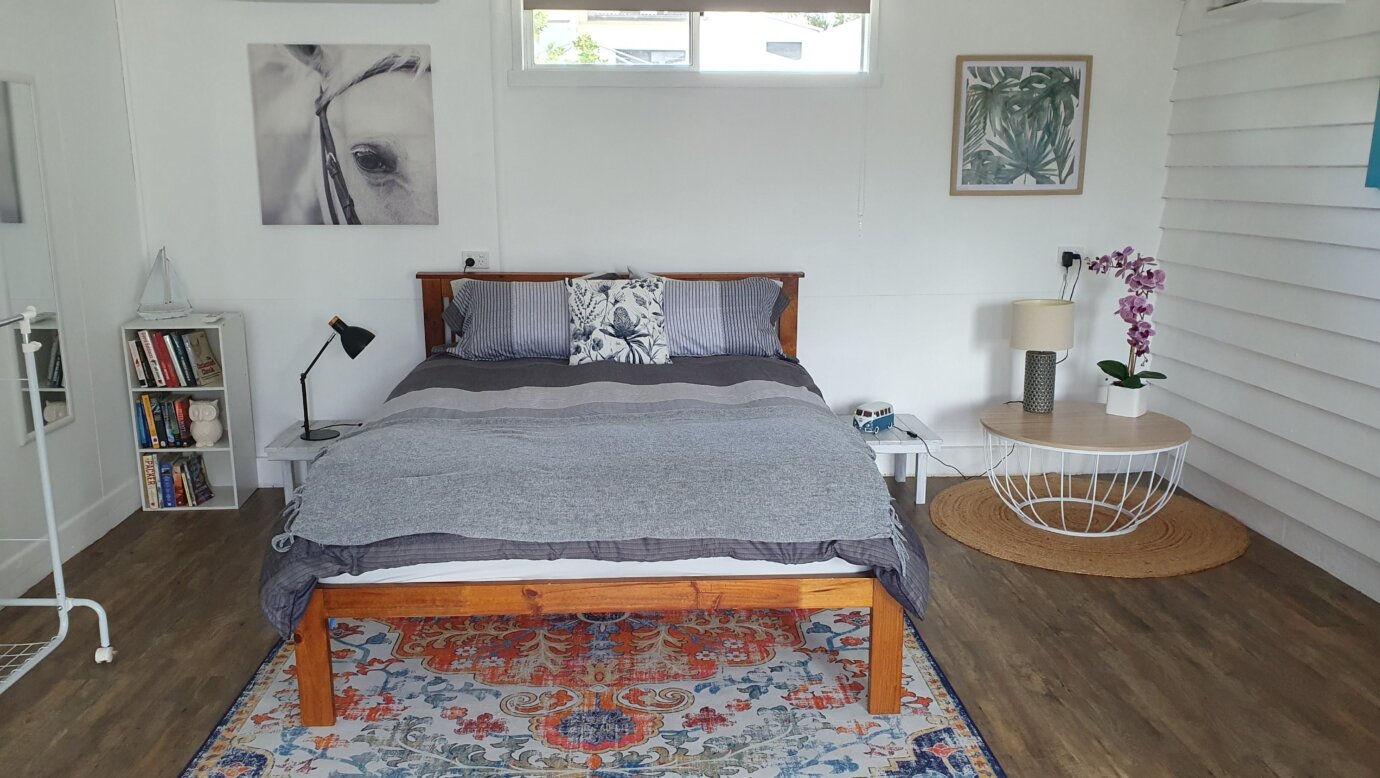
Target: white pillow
618,321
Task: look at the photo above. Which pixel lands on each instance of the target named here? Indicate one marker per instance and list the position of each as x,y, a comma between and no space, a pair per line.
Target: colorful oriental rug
625,695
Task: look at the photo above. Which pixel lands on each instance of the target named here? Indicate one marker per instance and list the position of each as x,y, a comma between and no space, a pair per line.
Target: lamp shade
1042,325
354,339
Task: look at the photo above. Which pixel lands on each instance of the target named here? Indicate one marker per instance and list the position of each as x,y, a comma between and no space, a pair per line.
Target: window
562,38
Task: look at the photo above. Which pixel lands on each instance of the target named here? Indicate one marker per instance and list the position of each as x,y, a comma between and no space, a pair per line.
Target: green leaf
1150,374
1114,369
1131,382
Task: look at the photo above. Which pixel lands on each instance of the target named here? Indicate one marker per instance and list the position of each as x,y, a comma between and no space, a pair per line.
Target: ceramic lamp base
1125,402
1039,382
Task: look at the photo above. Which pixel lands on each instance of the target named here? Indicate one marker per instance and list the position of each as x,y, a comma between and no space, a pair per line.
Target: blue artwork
1373,177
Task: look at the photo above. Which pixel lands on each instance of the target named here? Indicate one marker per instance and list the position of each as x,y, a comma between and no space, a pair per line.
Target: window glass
615,38
809,42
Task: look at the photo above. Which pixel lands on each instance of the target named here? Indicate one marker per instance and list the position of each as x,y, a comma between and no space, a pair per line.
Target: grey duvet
537,459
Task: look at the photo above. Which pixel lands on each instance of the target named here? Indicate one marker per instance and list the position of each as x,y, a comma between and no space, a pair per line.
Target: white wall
71,49
906,288
1271,320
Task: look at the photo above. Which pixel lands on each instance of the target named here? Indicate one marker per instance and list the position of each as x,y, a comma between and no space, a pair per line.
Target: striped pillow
510,320
709,318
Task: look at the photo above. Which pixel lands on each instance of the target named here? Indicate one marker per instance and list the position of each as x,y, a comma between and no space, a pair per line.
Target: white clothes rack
16,659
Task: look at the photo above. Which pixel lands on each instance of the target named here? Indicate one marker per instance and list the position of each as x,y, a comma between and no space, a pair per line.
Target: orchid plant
1143,278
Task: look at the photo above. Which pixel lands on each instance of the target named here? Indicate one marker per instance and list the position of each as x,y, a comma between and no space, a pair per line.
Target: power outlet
474,260
1075,249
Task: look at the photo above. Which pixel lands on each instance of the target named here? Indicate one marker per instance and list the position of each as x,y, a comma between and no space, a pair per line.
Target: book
201,481
168,498
181,405
136,365
203,358
160,423
141,429
154,438
144,361
172,357
146,339
179,487
184,363
160,349
152,491
184,471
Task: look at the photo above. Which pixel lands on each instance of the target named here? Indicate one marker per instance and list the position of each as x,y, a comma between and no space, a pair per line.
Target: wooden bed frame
375,601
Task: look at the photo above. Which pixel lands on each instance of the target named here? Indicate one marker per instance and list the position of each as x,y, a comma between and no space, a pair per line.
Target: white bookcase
230,463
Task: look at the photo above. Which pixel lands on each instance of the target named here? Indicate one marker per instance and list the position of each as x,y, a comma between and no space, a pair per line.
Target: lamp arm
306,413
318,355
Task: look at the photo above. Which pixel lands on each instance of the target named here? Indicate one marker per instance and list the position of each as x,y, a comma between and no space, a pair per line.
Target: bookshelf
230,463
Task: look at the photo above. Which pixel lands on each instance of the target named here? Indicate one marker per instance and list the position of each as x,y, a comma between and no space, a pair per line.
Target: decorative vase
1125,402
206,425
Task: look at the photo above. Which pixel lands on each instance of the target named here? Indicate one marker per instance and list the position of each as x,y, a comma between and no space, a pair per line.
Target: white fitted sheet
573,569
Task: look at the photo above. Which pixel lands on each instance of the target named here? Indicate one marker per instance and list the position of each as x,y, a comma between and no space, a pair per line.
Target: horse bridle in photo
332,175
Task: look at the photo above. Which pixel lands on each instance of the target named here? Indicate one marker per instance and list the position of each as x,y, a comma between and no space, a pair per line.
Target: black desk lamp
353,339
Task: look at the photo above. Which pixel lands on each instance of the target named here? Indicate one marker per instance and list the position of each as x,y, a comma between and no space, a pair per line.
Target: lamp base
1039,382
320,434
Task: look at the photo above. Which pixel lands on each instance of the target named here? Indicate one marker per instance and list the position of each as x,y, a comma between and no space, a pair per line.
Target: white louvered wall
1270,326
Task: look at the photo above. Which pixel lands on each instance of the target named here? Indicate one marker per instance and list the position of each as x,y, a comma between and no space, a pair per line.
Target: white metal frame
1148,479
525,71
17,659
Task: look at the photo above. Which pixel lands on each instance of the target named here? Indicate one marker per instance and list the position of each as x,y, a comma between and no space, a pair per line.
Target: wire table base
1079,492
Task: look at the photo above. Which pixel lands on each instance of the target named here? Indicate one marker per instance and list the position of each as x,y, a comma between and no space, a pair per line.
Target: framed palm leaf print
1020,125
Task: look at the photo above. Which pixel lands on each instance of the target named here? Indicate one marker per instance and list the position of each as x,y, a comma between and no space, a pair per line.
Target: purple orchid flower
1133,308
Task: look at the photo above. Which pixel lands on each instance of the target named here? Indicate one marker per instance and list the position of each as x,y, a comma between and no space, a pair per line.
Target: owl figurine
206,425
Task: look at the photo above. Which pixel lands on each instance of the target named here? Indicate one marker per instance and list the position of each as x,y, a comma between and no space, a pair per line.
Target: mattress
574,569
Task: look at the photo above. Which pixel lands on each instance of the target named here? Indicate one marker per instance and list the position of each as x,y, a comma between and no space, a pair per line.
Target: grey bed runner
536,459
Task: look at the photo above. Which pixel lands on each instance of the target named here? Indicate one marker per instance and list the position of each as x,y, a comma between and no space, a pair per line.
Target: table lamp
353,339
1040,328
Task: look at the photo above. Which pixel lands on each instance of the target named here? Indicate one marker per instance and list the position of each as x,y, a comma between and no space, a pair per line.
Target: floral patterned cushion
618,321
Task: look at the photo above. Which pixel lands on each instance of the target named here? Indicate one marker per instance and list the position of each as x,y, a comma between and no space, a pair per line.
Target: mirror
26,262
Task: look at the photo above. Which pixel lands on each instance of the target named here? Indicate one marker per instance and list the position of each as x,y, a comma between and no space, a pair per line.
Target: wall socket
1075,249
481,260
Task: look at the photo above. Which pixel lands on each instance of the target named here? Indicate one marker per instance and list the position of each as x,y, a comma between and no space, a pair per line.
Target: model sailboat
163,295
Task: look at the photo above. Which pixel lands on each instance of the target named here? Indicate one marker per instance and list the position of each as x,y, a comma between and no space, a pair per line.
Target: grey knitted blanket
539,459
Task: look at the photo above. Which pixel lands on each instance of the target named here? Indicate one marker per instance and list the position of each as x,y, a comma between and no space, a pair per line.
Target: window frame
526,72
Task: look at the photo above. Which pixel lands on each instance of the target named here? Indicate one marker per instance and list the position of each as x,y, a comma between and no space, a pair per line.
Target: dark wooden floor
1266,666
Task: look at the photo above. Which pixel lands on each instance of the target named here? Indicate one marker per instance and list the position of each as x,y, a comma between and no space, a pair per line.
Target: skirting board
29,564
1342,562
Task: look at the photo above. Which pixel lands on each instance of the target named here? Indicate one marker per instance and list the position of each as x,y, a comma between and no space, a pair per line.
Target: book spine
180,408
167,340
140,427
165,482
151,490
165,360
184,469
136,365
160,423
179,489
154,438
146,338
183,361
144,361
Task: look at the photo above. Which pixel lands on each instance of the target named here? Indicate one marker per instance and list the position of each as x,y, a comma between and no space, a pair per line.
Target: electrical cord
963,475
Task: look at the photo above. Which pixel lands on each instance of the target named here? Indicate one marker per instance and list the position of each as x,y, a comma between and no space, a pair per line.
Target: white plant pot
1125,402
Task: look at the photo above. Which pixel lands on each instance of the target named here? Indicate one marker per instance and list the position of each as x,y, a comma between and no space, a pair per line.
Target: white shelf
176,389
230,464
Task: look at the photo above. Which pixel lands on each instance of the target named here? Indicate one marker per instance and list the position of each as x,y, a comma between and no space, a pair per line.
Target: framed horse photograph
345,133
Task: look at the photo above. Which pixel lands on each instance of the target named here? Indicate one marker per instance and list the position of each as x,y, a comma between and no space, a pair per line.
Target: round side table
1037,464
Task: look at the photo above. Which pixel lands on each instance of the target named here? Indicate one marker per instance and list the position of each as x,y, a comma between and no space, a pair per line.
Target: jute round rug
1185,537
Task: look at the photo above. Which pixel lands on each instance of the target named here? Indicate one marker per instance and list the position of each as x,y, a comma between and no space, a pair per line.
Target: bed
438,523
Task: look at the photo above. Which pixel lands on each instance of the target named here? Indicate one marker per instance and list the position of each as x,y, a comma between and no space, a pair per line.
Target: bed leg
313,646
887,644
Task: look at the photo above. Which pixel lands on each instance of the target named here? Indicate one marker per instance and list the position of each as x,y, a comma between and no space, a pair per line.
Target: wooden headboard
436,293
